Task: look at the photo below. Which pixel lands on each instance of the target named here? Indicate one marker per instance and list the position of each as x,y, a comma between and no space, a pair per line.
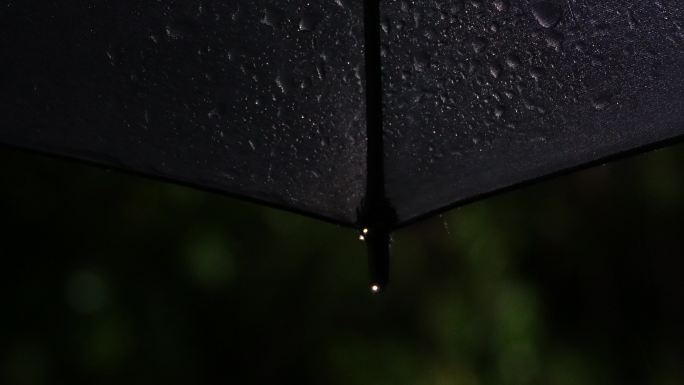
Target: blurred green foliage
115,279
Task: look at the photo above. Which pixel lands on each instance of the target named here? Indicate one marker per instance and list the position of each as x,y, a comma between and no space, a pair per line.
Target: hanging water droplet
596,60
477,4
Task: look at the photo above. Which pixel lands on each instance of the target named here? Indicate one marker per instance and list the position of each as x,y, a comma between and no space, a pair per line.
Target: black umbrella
364,113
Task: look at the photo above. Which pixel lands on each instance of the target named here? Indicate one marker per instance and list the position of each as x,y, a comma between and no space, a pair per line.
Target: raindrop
281,85
581,47
213,114
456,7
633,22
600,102
536,73
421,62
308,23
596,60
272,18
172,33
110,56
495,70
554,40
385,25
512,61
499,111
546,13
479,44
501,5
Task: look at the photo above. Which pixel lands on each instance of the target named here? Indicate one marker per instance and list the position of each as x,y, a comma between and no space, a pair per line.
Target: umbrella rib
376,215
375,186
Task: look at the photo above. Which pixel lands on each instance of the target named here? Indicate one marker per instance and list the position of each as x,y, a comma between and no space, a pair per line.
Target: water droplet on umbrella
421,62
554,40
308,23
171,33
479,44
272,18
456,7
512,61
547,13
281,84
495,70
600,102
536,73
385,25
499,111
501,5
596,60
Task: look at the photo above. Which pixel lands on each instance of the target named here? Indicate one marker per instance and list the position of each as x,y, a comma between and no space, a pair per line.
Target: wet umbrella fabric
368,114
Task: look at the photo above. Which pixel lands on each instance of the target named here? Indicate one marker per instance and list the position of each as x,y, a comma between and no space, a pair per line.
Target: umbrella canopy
371,114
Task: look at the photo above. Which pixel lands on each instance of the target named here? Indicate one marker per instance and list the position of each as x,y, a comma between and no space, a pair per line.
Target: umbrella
371,114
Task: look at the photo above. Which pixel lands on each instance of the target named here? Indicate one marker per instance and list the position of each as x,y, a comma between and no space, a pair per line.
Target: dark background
114,279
